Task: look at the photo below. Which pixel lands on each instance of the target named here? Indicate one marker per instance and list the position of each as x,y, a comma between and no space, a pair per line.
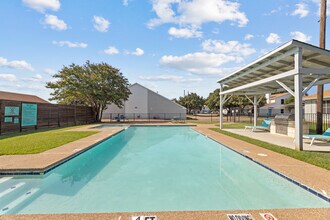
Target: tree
192,102
289,100
213,101
95,85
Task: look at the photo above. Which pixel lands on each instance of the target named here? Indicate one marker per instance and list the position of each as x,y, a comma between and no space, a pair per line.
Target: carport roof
266,74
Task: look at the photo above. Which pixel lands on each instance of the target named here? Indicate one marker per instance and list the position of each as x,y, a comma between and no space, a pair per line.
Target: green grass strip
319,159
37,142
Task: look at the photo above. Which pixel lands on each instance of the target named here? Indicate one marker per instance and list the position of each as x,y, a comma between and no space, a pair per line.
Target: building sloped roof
157,94
21,97
326,94
278,95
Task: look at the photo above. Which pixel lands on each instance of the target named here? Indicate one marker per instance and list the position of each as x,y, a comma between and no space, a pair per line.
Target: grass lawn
316,158
39,141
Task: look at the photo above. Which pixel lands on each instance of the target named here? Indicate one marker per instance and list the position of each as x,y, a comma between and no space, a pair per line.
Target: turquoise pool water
154,169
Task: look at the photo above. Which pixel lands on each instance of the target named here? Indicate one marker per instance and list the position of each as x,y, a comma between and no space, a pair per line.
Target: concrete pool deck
282,140
310,175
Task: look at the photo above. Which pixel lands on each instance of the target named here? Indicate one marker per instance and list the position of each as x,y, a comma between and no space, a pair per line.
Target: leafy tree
192,102
95,85
213,101
289,100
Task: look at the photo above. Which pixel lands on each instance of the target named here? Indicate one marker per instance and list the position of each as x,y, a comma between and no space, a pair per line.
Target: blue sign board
8,119
29,114
11,111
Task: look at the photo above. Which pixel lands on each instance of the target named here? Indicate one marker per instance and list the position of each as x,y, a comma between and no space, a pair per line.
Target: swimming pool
154,169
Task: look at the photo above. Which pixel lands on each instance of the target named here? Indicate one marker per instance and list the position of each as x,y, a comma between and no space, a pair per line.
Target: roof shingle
21,97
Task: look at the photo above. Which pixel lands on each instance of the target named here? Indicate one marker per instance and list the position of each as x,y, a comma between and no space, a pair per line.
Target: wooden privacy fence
16,116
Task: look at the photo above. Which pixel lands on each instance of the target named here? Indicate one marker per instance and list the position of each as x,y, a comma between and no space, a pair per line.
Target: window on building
282,111
282,101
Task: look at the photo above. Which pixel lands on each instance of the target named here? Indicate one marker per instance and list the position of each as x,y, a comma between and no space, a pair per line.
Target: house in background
10,96
310,103
144,103
275,105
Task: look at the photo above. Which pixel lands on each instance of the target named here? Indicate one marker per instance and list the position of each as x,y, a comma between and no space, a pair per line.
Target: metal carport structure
294,67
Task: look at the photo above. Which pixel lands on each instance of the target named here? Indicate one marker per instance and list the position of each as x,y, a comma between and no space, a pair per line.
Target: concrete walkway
280,214
282,140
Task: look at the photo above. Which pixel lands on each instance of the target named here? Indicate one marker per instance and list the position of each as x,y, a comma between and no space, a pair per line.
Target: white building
275,105
146,104
310,103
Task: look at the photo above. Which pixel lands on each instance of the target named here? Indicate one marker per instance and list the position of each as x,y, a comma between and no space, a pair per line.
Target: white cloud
137,52
301,10
43,5
101,24
171,78
196,12
50,71
55,23
8,77
300,36
200,63
70,44
231,47
125,2
111,51
17,64
248,37
37,77
273,38
185,32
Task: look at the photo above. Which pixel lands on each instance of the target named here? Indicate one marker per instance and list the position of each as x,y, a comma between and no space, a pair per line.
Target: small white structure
275,105
144,103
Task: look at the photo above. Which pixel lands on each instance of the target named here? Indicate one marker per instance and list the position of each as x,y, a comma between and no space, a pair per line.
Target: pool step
11,189
18,201
4,179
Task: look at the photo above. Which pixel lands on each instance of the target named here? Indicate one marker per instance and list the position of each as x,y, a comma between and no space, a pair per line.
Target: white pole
221,106
298,102
255,105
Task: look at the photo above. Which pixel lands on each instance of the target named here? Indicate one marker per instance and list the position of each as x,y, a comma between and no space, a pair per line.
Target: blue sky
166,45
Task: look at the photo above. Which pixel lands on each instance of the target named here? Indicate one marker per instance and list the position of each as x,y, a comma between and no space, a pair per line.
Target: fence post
20,116
49,114
75,113
86,113
58,116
